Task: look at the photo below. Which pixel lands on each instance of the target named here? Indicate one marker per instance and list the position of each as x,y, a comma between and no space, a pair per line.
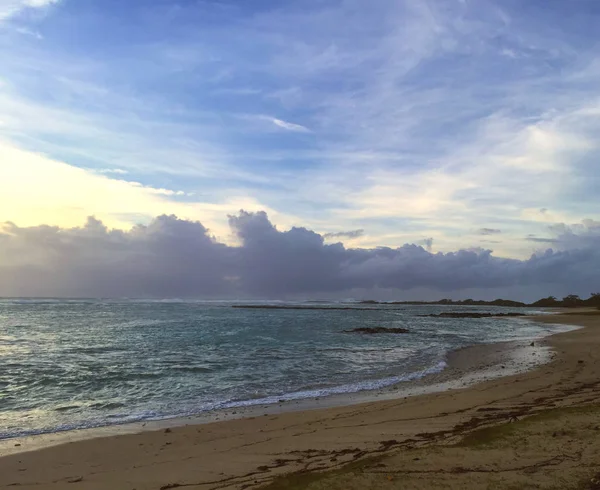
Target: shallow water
86,363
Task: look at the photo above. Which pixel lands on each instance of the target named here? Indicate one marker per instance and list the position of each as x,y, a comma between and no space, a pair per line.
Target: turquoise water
86,363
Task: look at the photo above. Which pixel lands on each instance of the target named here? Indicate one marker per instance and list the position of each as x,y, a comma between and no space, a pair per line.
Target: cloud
533,238
578,235
241,91
357,115
36,189
427,243
118,171
38,3
28,32
9,8
488,231
267,124
171,257
345,234
298,128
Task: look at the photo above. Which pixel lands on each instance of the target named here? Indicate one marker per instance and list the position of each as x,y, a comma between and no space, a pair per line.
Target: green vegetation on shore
570,301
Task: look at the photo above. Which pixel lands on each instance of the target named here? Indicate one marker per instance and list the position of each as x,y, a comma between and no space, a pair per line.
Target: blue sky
409,120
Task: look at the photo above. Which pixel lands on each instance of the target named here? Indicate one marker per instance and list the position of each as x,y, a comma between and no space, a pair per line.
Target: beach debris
168,431
75,480
376,330
387,444
532,344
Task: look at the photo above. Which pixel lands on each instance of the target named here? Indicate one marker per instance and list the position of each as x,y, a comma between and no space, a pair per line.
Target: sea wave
342,389
160,361
125,418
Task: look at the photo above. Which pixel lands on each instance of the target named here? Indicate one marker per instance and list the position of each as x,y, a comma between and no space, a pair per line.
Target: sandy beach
539,429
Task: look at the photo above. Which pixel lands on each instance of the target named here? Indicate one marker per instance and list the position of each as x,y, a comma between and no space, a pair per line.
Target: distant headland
570,301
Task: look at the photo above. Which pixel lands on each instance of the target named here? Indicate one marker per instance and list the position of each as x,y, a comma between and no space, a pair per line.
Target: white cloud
141,137
422,122
38,3
36,189
119,171
8,8
290,126
265,123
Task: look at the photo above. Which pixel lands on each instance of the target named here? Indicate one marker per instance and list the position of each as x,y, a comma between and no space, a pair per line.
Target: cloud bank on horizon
457,125
171,257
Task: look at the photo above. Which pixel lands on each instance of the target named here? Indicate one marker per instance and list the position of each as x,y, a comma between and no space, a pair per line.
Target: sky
339,148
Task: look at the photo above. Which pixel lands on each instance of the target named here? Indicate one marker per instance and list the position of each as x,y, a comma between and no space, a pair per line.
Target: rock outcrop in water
376,330
449,302
460,314
301,307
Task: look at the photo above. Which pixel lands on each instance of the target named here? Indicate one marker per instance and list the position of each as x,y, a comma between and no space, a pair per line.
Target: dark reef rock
301,307
376,330
460,314
449,302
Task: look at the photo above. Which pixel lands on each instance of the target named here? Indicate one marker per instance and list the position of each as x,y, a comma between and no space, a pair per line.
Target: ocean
67,364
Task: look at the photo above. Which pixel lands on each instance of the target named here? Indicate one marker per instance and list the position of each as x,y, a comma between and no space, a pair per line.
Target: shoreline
462,367
251,452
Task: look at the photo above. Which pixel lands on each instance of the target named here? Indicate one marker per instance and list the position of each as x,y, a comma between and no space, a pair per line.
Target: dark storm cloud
178,258
345,234
169,257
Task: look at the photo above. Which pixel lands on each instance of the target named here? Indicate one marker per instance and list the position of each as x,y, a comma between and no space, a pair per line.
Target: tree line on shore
570,301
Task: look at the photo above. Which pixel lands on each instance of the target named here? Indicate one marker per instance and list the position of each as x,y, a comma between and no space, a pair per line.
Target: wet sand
400,442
